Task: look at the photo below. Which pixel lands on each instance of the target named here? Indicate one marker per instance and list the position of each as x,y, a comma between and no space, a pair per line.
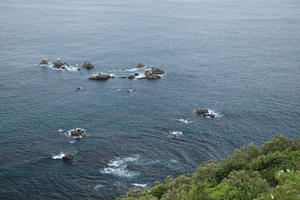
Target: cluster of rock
57,65
154,73
205,112
100,77
63,65
78,132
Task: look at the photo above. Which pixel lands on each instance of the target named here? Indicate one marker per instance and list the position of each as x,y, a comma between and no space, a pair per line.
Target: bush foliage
271,171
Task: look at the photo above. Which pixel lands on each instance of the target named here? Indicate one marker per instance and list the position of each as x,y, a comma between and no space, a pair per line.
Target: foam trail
139,185
215,113
67,67
59,156
118,167
185,121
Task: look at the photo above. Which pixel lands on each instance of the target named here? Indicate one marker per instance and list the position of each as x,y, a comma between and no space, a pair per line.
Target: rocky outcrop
78,133
136,74
100,77
139,66
88,65
155,70
60,65
153,74
202,111
68,157
44,62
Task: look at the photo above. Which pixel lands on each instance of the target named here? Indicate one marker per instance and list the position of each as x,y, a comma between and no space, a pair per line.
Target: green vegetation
268,172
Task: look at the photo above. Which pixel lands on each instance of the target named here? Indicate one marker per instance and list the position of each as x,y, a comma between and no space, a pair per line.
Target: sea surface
240,59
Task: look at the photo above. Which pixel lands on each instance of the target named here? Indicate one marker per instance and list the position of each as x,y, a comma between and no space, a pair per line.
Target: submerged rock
152,77
131,91
78,132
209,115
139,66
88,65
77,89
44,62
100,77
147,73
68,157
136,74
202,111
155,70
131,77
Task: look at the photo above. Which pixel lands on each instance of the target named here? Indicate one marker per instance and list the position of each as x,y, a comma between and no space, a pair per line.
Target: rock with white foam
68,158
211,115
174,134
100,77
78,132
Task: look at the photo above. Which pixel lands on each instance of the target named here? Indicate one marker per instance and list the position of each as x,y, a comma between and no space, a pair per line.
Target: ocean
239,59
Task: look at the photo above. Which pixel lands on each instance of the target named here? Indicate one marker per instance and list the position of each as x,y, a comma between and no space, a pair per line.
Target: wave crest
118,167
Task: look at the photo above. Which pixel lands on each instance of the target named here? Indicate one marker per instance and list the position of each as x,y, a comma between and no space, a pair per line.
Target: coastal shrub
278,143
206,172
267,172
268,164
137,195
207,191
288,187
249,183
159,190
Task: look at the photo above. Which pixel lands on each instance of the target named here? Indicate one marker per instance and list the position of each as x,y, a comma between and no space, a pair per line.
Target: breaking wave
118,167
59,156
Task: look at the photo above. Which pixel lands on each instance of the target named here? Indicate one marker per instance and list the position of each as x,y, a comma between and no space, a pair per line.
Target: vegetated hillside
271,171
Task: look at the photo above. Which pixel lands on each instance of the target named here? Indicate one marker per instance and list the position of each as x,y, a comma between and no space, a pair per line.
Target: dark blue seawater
238,58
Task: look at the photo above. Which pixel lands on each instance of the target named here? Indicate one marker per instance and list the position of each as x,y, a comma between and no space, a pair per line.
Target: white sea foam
59,156
215,113
174,161
98,186
132,70
139,185
60,130
186,121
175,133
67,67
112,75
73,141
141,75
118,167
